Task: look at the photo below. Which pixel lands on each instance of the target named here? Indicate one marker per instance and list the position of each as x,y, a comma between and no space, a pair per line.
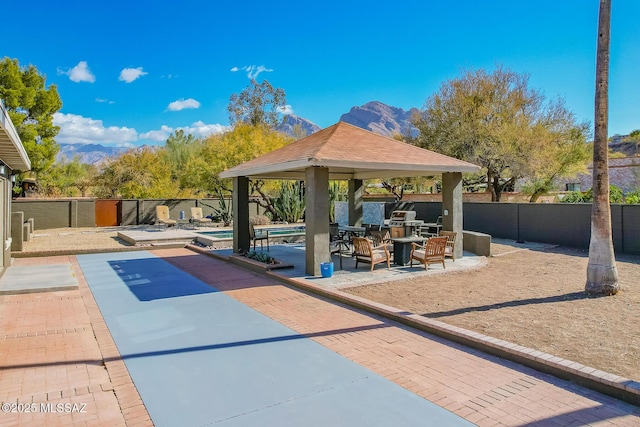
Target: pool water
275,231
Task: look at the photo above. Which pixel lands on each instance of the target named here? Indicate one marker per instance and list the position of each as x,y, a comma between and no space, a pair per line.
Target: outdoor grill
403,223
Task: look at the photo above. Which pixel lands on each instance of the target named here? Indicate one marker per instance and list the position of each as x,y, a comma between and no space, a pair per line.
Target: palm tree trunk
602,274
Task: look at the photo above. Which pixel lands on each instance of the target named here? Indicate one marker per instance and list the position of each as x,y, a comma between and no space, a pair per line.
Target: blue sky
129,73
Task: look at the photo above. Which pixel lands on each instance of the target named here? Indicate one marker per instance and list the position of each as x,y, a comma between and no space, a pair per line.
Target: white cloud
182,104
198,129
286,110
160,135
130,74
75,129
252,70
201,129
79,73
101,100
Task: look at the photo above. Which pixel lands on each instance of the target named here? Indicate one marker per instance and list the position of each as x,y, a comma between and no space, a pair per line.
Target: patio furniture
261,236
431,229
198,218
402,247
337,238
335,248
162,216
369,228
451,243
382,237
364,251
430,253
348,232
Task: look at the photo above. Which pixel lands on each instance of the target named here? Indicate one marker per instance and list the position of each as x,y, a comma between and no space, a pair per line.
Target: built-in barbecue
403,223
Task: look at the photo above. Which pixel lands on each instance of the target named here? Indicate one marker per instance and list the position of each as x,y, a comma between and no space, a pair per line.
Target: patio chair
364,251
382,237
337,239
451,243
369,228
431,252
261,236
198,218
162,216
431,230
335,248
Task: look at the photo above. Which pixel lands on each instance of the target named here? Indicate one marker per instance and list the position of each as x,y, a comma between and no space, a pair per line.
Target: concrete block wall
17,222
558,223
57,213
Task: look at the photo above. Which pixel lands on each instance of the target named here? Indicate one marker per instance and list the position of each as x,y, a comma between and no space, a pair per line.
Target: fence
559,223
60,213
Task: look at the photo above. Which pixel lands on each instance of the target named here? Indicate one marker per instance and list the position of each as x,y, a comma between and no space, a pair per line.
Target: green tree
31,106
180,151
634,137
496,121
223,151
63,177
602,273
568,156
138,174
257,104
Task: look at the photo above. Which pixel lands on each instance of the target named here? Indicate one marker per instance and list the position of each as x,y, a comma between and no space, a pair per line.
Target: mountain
291,120
88,153
381,118
621,144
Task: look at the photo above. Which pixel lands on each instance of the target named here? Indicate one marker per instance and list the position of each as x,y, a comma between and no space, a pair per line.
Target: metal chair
198,218
262,236
162,216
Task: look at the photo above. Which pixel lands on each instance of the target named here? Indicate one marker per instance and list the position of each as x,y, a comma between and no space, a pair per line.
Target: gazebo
343,152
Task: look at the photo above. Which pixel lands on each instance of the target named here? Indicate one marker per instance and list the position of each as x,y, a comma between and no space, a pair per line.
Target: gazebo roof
350,153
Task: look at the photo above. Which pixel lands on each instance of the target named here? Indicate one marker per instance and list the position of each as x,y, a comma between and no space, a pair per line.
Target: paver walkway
52,370
52,348
483,389
199,357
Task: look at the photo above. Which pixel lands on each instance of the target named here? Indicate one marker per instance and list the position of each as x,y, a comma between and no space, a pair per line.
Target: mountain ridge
374,116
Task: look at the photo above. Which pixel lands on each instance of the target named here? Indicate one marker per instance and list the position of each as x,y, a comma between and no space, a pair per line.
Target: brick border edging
132,408
613,385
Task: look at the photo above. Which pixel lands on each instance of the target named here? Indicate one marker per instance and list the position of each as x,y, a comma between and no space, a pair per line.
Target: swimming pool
273,231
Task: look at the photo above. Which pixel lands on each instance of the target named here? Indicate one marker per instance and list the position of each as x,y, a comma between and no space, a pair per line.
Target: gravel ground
535,298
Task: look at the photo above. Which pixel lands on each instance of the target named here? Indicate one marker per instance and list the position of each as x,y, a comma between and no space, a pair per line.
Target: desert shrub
574,197
633,198
615,196
260,220
289,204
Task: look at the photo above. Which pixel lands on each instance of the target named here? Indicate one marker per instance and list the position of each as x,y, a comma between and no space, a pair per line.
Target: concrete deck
349,275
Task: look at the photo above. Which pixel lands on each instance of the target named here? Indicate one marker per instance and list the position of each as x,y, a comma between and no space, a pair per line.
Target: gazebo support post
241,239
356,191
316,219
452,207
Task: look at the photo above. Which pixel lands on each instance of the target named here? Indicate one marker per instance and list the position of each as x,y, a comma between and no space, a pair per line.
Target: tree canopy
495,120
257,104
31,106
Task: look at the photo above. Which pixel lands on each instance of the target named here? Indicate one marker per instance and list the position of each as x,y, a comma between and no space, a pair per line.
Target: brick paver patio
55,348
